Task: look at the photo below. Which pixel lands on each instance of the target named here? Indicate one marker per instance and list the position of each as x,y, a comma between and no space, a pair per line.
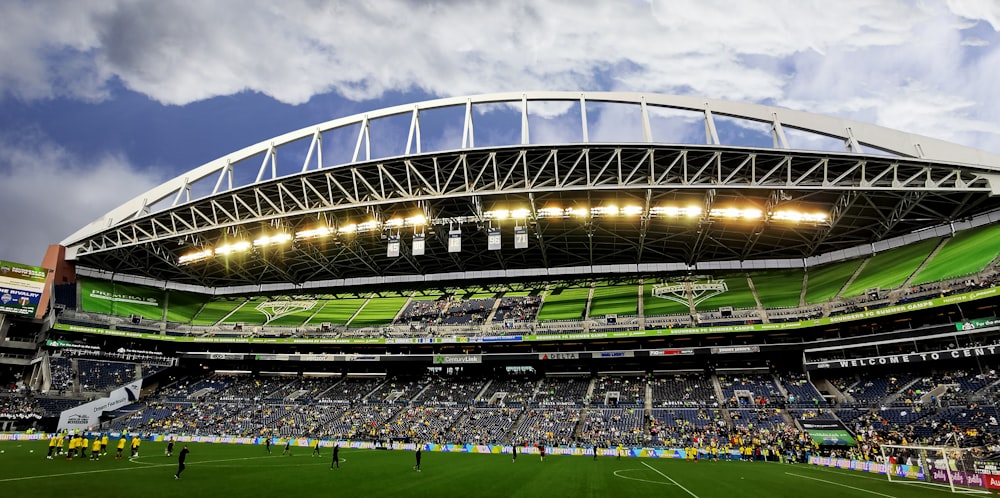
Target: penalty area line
841,485
686,490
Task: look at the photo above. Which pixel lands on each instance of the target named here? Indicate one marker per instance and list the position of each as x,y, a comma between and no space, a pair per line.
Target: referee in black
335,463
180,462
417,466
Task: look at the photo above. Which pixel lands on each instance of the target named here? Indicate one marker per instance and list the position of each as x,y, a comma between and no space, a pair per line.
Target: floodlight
279,238
416,220
313,232
240,246
195,256
552,212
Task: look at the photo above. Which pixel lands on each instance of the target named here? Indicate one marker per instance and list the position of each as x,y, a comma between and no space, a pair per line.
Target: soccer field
222,470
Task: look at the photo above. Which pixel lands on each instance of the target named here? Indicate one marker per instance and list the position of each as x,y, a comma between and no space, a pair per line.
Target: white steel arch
855,135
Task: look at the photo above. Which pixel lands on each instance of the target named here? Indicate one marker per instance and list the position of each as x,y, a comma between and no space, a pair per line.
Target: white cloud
46,191
831,55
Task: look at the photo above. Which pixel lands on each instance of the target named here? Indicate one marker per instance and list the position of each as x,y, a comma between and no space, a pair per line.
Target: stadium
476,274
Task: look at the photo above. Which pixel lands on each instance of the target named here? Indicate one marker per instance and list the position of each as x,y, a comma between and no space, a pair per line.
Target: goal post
945,466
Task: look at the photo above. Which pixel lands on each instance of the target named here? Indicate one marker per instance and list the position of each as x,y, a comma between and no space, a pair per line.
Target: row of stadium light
312,233
501,214
658,212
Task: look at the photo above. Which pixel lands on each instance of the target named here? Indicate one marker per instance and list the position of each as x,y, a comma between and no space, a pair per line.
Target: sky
103,100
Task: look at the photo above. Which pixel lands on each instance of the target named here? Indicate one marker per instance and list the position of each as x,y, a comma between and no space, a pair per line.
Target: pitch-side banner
21,288
88,415
901,359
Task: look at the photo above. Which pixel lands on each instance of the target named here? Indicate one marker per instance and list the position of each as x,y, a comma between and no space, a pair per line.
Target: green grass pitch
222,470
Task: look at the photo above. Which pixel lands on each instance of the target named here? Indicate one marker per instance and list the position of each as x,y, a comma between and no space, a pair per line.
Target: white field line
688,491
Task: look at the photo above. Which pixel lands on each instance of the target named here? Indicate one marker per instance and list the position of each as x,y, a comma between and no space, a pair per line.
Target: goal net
945,466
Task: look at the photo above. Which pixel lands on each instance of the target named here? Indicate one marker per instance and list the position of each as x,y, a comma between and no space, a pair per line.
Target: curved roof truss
361,178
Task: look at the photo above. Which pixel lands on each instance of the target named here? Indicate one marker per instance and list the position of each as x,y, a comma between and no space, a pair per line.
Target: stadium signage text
897,359
21,288
671,352
978,323
735,349
559,356
459,359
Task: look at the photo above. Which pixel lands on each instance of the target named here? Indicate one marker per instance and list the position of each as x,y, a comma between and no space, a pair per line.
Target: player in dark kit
513,453
288,448
267,445
180,462
335,463
417,466
170,448
541,452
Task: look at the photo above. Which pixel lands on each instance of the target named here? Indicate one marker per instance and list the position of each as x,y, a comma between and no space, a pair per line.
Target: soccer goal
946,466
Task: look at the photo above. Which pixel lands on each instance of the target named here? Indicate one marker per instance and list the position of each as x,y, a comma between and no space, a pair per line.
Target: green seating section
615,300
248,312
336,311
183,306
889,269
216,310
968,252
778,288
120,299
739,295
564,303
378,311
658,306
825,281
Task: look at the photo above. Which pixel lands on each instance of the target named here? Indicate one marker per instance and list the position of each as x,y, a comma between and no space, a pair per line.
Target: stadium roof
324,206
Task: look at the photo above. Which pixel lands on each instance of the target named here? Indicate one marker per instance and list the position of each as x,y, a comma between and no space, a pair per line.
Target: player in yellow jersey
60,441
121,447
52,446
135,445
71,452
104,444
95,451
83,445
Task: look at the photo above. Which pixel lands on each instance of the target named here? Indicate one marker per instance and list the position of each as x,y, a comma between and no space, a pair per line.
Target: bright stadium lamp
551,212
195,256
266,240
631,210
240,246
416,221
313,233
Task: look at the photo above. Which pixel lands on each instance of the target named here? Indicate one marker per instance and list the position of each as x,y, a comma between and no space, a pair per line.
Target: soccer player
95,451
59,443
82,446
288,447
335,463
267,444
180,461
417,466
541,452
316,449
70,447
104,444
52,446
135,445
121,447
170,447
513,453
